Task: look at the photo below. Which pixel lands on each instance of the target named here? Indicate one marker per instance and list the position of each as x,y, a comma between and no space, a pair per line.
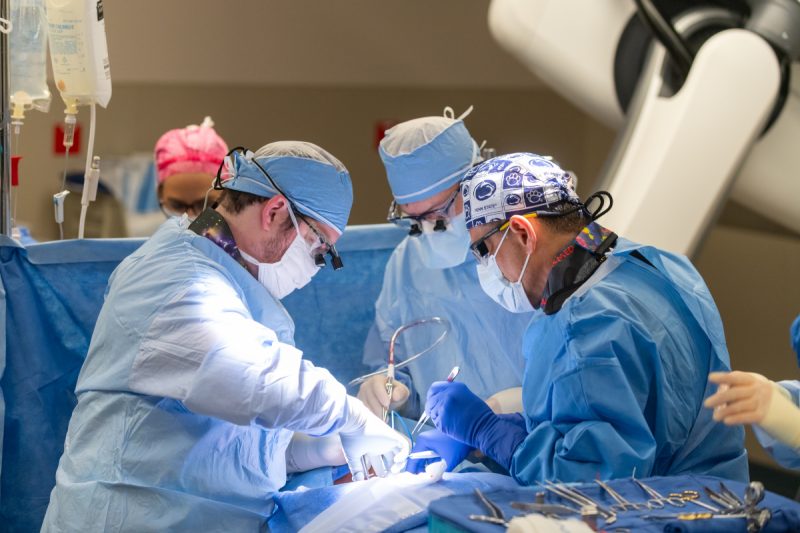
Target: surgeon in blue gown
772,408
431,273
192,388
617,355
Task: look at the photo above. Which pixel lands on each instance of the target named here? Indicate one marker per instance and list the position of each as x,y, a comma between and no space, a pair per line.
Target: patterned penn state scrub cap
515,184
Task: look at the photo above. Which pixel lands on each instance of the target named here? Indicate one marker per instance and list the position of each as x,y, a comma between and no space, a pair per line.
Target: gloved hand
306,453
742,397
373,393
365,438
458,412
449,449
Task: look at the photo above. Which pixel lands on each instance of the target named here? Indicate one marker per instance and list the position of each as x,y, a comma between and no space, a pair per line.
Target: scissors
674,499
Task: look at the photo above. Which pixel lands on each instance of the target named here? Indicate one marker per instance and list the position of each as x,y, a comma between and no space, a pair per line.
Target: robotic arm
707,108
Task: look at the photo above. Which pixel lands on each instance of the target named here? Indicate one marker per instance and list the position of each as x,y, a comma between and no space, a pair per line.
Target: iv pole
5,154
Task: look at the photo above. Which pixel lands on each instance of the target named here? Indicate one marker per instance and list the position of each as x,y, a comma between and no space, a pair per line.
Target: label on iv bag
78,50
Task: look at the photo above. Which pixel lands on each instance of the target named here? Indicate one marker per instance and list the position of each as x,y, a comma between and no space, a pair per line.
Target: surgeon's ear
273,211
525,231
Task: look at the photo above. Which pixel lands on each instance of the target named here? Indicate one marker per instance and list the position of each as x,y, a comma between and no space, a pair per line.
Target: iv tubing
89,150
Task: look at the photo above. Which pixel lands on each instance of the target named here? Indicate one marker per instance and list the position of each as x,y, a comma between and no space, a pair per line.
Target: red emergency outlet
58,140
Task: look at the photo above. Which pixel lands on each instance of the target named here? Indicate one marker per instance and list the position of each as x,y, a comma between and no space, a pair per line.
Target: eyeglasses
439,216
479,248
175,208
322,247
319,249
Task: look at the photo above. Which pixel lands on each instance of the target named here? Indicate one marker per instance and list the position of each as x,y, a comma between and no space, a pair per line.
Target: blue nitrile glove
449,449
458,412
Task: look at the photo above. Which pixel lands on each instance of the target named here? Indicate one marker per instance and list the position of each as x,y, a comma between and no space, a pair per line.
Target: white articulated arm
681,152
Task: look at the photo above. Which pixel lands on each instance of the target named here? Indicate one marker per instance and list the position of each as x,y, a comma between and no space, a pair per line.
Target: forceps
424,418
496,517
577,497
622,504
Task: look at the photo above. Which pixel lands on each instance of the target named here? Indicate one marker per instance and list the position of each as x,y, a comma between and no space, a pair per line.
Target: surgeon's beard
274,248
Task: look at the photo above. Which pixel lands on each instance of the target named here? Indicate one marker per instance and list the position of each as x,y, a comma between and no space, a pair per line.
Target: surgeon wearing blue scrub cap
431,273
619,351
193,402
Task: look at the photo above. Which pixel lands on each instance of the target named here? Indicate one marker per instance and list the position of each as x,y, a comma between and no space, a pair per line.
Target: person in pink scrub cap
187,160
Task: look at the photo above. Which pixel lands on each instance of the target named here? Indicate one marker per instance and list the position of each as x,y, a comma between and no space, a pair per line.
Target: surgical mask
444,249
510,295
294,270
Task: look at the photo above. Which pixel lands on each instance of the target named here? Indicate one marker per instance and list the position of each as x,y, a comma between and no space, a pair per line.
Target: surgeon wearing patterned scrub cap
618,354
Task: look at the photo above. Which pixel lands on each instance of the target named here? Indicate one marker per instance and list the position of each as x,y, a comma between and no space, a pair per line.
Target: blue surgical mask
444,249
510,295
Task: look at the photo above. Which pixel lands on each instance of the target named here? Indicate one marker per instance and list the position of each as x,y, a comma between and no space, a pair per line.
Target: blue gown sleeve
204,349
784,455
795,337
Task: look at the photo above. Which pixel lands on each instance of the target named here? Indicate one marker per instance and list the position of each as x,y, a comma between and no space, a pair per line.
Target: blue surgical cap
515,184
427,155
318,190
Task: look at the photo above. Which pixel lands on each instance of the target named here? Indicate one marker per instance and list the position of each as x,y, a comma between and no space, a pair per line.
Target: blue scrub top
615,380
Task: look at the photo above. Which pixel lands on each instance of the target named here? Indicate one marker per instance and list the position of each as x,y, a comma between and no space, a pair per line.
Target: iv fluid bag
78,51
27,50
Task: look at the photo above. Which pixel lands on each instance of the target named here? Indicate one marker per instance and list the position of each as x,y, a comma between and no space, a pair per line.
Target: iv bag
78,51
27,50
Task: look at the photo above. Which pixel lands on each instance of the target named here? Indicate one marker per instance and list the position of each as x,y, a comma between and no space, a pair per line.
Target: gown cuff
782,420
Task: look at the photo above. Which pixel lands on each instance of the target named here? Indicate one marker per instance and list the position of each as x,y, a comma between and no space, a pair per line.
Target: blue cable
403,423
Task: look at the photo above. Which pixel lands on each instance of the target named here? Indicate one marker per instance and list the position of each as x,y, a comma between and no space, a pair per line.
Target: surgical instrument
692,496
589,516
488,519
577,497
425,417
691,516
389,385
733,498
753,495
622,504
728,507
675,499
432,320
496,517
424,454
546,509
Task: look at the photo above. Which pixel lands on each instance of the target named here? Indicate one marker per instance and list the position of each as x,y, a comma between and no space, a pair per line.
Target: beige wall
340,119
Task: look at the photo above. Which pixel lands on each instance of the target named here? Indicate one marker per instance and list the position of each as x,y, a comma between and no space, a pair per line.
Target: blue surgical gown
615,380
187,399
484,340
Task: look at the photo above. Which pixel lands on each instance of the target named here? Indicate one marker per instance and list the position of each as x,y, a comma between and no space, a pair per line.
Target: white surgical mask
444,249
293,271
510,295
